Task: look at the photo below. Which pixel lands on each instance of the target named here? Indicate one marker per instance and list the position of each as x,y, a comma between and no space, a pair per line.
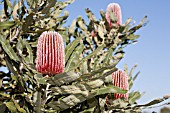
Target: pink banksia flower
120,79
50,53
116,10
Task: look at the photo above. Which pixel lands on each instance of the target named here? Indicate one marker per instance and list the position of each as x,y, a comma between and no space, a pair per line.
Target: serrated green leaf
37,101
21,110
77,88
153,102
63,78
134,96
73,100
81,24
27,23
47,8
10,66
108,56
29,50
126,69
11,107
90,110
132,70
128,21
9,3
132,37
75,58
40,79
89,56
90,15
70,101
110,89
102,13
70,48
16,7
6,25
2,108
19,46
8,49
86,77
71,28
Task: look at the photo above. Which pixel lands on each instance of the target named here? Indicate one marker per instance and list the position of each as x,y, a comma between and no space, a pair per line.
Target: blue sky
152,52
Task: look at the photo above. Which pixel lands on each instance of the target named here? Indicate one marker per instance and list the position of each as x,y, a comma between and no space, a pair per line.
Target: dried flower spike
116,10
50,53
120,79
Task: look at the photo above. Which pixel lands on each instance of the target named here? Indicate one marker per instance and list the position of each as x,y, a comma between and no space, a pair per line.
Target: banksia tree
50,53
29,50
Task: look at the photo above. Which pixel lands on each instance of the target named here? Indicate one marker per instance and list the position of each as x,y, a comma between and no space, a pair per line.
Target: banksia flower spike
120,79
50,53
116,10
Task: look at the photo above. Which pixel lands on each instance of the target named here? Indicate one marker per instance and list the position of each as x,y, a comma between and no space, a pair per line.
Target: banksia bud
50,53
120,79
116,10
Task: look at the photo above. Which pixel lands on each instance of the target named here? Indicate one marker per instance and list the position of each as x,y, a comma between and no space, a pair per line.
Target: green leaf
73,100
29,50
77,88
9,3
153,102
133,37
110,89
21,110
71,28
70,101
90,110
11,107
75,57
6,25
28,22
50,5
70,48
15,9
134,96
90,15
37,100
132,70
81,24
40,79
10,66
63,78
2,108
89,56
108,56
88,76
7,48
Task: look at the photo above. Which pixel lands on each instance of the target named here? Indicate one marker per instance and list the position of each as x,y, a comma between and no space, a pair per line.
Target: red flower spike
115,8
120,79
50,53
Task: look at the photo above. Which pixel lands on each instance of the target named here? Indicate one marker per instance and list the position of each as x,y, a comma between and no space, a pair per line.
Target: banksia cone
50,53
116,10
120,79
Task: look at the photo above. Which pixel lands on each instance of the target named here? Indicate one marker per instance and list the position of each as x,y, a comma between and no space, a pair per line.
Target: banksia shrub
120,79
50,53
87,62
115,9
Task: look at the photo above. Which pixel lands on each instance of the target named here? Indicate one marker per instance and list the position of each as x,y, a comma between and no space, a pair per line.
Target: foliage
90,60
